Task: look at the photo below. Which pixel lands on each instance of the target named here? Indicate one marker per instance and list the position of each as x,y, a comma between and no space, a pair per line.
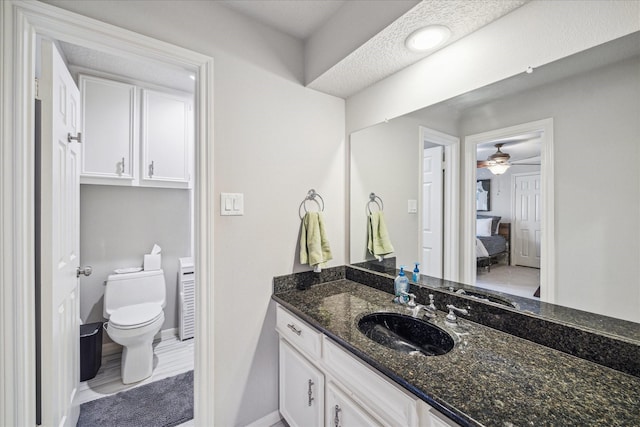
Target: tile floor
514,280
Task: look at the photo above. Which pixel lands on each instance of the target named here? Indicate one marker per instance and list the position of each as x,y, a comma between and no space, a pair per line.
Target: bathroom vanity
332,374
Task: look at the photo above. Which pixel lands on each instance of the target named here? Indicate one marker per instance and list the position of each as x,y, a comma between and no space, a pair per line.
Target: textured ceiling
385,53
162,75
299,18
379,57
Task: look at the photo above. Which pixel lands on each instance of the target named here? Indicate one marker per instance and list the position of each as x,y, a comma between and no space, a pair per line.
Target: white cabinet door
301,389
165,138
342,411
109,137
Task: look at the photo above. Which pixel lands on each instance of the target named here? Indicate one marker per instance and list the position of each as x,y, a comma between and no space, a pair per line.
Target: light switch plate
231,204
412,206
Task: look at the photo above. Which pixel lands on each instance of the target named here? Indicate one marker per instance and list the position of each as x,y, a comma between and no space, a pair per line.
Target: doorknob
86,271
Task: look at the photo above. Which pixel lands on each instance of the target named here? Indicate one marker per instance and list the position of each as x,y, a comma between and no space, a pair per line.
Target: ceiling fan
498,162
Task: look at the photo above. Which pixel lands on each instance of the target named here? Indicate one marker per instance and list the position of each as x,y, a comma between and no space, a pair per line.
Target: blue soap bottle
401,286
416,273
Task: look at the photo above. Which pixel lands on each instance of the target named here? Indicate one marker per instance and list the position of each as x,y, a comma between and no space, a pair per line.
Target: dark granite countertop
490,378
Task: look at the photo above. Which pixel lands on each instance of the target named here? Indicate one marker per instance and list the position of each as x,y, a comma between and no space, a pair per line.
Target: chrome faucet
451,317
400,299
429,310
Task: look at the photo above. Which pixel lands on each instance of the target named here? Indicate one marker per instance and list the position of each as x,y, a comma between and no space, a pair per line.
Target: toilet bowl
133,327
134,303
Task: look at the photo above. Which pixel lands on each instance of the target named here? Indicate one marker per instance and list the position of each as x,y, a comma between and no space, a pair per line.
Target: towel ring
312,196
374,199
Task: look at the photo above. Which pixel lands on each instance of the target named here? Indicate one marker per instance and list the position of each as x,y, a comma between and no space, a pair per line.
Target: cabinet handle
122,166
310,392
336,418
294,329
151,166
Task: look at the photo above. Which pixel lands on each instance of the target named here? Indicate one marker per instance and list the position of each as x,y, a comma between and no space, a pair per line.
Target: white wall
274,140
120,224
597,181
535,34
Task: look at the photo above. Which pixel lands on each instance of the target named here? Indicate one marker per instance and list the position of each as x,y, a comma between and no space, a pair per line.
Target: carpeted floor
164,403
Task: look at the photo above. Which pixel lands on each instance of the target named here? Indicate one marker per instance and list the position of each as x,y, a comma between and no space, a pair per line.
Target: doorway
29,20
447,207
544,128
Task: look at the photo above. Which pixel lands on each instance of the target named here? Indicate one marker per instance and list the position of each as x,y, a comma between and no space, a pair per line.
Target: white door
301,389
59,206
341,411
527,216
432,231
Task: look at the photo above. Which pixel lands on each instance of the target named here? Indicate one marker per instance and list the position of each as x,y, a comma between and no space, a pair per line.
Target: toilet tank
134,288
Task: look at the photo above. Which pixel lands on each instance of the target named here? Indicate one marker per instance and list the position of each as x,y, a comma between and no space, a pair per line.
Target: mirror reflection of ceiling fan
498,162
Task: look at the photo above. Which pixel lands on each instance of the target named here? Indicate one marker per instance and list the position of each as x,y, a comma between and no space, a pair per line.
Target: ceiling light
428,38
499,168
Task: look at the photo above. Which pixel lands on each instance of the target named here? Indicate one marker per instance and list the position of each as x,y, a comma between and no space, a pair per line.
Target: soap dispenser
401,287
416,273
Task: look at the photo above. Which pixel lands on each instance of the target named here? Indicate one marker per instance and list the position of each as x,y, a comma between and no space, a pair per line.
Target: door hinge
37,88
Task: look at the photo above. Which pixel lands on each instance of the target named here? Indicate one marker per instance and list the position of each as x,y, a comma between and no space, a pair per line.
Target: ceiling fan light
499,168
427,38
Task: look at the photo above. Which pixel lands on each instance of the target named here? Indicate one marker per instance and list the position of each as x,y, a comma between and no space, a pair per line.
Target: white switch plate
231,204
412,206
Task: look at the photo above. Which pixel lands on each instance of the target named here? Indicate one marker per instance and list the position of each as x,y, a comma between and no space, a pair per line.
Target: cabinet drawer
391,403
298,333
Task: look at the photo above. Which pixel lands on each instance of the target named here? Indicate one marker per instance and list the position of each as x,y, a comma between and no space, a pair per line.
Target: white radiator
187,293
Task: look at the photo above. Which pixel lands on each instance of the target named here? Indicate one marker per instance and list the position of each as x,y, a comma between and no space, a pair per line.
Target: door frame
451,217
514,191
21,22
547,260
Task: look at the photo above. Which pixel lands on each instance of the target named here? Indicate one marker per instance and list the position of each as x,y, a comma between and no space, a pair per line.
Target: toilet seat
135,316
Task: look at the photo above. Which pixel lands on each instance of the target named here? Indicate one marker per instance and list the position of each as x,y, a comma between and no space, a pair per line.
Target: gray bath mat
164,403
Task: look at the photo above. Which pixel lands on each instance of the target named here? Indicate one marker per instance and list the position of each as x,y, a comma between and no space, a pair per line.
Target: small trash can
90,350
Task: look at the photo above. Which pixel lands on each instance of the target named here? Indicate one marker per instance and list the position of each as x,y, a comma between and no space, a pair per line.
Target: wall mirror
593,98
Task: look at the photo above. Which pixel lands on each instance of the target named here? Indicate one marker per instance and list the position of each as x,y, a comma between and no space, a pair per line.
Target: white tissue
153,261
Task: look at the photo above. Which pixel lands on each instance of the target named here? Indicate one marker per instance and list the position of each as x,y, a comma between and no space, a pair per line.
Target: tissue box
152,262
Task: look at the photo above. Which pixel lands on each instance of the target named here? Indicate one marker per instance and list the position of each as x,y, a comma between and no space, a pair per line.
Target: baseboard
110,348
267,421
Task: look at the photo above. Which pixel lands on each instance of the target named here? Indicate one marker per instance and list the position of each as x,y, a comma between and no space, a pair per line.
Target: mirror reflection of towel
378,243
314,246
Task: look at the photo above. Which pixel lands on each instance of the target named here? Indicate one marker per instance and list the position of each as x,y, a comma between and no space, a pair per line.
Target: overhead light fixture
427,38
499,168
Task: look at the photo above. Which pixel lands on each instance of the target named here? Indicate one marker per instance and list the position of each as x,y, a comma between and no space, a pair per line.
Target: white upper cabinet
135,136
165,137
109,135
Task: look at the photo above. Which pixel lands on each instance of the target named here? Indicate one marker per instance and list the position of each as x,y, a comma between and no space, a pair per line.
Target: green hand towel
314,246
378,243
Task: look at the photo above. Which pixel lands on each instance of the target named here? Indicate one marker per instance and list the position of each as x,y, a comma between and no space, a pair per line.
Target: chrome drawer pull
310,392
294,329
336,419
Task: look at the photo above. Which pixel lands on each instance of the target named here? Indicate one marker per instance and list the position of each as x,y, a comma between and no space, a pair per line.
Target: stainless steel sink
406,334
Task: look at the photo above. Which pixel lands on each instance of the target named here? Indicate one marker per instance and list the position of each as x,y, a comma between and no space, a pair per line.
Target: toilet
133,304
